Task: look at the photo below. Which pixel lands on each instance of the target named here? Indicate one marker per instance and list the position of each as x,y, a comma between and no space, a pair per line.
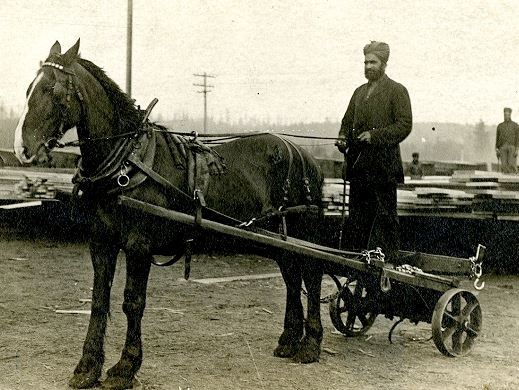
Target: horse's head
52,106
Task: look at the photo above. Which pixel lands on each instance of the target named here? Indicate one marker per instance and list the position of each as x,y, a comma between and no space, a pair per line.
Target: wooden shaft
433,282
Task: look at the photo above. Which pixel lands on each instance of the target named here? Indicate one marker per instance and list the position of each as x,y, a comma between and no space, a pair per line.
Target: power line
206,88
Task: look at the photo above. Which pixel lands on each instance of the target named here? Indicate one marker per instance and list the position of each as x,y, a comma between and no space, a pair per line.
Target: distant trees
447,142
483,142
8,120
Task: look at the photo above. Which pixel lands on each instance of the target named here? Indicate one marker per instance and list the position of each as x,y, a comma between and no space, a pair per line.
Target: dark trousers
373,219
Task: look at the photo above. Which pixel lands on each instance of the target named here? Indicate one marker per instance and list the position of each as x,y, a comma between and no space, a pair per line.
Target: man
507,142
415,168
378,118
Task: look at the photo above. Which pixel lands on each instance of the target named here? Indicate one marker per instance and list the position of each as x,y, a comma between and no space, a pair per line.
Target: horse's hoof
309,351
84,380
286,351
87,373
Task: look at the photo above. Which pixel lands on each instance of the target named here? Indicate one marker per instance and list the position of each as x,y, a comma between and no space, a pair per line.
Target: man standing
507,143
378,118
415,169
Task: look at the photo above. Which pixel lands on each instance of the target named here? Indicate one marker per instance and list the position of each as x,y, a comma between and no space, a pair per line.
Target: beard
373,74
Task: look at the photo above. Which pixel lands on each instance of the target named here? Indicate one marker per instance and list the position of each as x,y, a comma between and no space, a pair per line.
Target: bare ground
221,336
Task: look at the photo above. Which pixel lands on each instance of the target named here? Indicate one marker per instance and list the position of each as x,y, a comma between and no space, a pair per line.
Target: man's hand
341,145
365,137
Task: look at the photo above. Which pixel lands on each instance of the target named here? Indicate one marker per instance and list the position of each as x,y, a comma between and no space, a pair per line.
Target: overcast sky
279,60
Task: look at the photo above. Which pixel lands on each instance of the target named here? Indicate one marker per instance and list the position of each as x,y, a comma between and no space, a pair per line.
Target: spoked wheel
456,322
349,312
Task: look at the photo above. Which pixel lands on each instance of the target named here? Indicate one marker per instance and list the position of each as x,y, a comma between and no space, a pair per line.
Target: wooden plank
445,265
482,184
227,279
292,245
73,312
20,205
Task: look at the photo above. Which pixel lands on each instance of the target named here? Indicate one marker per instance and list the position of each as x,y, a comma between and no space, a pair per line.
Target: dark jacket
507,134
386,114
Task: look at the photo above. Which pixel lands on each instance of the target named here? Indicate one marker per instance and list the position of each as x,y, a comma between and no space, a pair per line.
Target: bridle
71,90
74,90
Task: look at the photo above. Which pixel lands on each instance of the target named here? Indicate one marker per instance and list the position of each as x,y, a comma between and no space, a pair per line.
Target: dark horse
70,91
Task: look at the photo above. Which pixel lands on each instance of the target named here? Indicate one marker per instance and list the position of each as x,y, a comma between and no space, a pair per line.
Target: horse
259,177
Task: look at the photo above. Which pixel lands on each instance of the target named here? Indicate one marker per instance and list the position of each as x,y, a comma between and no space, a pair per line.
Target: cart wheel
347,312
456,322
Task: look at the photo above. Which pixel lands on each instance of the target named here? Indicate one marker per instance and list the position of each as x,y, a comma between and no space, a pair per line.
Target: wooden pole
206,88
129,32
293,246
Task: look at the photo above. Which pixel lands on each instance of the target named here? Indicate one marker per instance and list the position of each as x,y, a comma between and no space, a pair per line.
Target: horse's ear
55,49
71,55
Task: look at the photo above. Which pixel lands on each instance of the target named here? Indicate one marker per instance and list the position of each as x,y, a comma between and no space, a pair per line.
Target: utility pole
205,90
129,31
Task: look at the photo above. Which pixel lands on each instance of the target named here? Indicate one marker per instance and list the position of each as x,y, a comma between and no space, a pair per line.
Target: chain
373,255
408,269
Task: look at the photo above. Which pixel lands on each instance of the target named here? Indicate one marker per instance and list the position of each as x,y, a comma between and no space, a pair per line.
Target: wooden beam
292,245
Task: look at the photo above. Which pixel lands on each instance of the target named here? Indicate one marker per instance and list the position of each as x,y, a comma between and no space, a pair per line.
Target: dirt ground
221,336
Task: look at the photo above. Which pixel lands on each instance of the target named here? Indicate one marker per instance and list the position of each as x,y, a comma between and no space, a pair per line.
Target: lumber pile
465,193
34,183
333,195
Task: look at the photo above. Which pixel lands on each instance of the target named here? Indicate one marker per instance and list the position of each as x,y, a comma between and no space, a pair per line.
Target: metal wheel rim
347,322
456,322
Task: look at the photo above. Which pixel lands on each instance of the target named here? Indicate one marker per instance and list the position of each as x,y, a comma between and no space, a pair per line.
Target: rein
218,137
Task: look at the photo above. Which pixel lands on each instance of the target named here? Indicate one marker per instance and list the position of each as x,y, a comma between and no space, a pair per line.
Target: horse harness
130,169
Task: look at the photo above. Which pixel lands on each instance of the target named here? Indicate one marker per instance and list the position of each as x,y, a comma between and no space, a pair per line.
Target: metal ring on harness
123,180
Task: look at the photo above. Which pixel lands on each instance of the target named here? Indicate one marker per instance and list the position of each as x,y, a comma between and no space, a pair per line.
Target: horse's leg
311,343
88,370
138,262
289,340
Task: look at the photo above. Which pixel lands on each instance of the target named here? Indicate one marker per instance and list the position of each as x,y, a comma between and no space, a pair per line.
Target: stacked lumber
333,196
494,193
38,183
465,194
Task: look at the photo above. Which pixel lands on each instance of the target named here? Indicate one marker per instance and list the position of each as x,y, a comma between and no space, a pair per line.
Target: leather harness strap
286,185
289,145
158,178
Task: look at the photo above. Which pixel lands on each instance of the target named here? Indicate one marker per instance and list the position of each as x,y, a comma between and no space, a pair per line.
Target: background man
378,118
415,169
507,143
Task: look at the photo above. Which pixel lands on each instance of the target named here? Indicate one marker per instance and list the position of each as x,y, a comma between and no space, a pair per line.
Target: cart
426,288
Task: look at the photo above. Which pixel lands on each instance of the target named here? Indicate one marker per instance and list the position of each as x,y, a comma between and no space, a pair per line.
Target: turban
507,109
380,49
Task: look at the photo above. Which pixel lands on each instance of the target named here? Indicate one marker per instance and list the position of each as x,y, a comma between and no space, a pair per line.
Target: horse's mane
126,114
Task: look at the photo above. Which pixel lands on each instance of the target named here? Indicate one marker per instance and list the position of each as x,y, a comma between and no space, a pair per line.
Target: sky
281,61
